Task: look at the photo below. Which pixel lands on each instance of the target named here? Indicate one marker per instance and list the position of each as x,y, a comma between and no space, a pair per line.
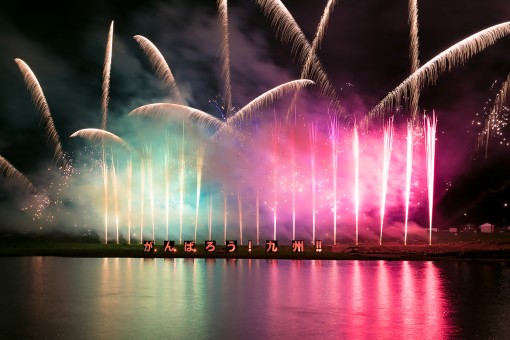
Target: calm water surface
63,298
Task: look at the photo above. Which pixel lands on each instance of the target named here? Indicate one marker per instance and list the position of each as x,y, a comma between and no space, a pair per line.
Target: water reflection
203,299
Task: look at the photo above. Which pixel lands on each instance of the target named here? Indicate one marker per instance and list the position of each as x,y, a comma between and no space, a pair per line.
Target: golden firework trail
106,78
414,55
177,112
43,110
289,32
13,175
267,98
225,55
317,40
457,54
159,66
105,137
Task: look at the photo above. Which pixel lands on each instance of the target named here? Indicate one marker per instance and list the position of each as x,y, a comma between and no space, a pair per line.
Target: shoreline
390,252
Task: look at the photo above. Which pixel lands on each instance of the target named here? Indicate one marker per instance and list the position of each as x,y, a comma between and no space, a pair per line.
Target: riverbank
395,251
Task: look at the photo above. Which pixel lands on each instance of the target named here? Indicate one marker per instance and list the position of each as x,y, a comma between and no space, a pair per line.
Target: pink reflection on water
357,300
403,301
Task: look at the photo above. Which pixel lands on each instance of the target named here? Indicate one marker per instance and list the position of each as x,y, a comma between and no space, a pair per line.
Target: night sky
364,52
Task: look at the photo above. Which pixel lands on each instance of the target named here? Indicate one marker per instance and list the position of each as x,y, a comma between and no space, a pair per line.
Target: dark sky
366,45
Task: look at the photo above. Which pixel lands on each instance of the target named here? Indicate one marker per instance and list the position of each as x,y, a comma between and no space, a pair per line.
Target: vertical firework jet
275,139
151,188
210,215
430,138
333,136
225,55
160,66
105,194
166,159
200,166
293,169
129,171
355,149
413,54
43,110
409,169
388,141
257,216
240,207
181,184
115,197
224,214
313,144
142,196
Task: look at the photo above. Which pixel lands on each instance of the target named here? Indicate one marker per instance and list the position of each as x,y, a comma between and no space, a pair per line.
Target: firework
15,176
430,137
333,136
457,54
388,141
317,40
106,78
313,144
225,55
240,207
177,112
267,98
413,53
105,137
355,149
115,198
159,66
494,120
200,166
288,31
43,109
129,176
409,169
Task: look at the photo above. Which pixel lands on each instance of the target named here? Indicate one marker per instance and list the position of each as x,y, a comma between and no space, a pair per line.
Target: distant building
486,228
452,230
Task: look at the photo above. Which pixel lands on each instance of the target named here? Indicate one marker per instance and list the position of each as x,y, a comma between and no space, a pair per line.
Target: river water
89,298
